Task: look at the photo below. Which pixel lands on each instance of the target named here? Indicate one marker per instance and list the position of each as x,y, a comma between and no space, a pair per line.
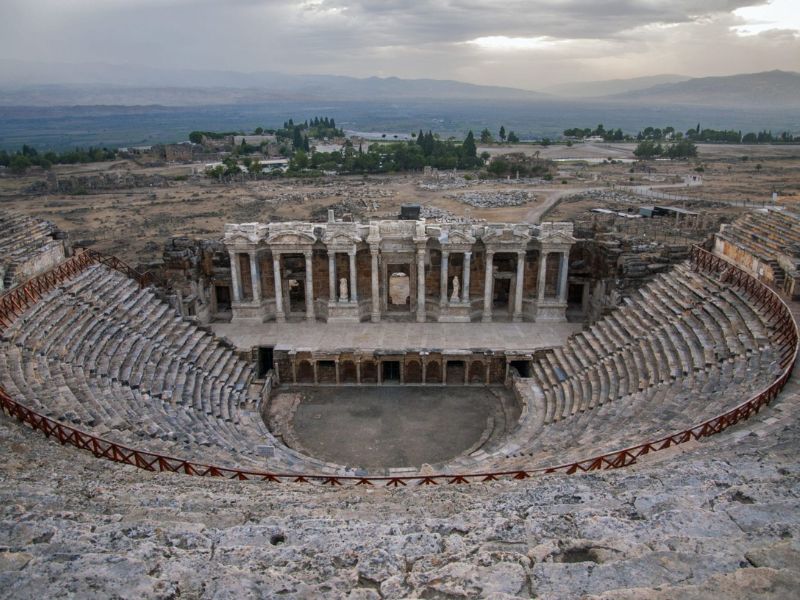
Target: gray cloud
419,38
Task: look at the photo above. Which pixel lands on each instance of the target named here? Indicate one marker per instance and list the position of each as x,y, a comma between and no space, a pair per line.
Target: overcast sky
521,43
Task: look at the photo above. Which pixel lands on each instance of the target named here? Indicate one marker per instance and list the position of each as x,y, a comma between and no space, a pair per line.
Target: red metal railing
18,299
766,300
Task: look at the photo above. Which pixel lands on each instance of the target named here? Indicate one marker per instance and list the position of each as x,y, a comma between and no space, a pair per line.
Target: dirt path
553,196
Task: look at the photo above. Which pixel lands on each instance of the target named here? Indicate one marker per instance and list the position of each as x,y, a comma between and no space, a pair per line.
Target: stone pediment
455,237
244,233
556,233
505,237
291,237
341,238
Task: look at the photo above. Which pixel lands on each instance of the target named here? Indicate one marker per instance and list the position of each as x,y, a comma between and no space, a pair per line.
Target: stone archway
305,372
326,371
477,372
455,372
348,372
369,372
399,291
433,372
413,372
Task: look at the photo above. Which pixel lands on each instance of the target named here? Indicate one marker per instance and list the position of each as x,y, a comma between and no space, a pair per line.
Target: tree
681,149
297,138
196,137
486,136
253,165
259,130
513,138
19,164
299,161
469,147
503,133
647,149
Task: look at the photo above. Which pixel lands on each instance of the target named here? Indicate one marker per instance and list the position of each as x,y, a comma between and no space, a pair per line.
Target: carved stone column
331,276
420,285
236,280
540,282
443,279
353,287
255,276
309,287
376,295
280,316
562,277
518,289
488,288
465,278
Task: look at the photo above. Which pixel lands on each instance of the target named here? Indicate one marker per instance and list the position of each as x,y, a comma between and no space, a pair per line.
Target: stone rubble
494,199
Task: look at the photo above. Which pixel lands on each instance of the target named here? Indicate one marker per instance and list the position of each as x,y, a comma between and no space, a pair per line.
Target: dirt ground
134,223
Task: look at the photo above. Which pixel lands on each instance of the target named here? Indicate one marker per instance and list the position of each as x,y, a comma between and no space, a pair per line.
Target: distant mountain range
40,84
773,89
130,84
593,89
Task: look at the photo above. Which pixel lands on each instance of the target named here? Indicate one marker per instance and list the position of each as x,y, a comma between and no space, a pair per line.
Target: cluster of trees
517,163
510,137
299,133
736,137
683,148
609,135
196,137
425,150
658,134
27,156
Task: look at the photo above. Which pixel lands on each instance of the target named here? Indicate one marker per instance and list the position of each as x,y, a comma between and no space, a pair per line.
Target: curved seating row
100,353
683,349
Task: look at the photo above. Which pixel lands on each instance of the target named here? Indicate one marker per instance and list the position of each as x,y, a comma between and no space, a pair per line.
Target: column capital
308,253
445,252
467,253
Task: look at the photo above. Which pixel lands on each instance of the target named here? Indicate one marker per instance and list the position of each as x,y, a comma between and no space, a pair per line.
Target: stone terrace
397,336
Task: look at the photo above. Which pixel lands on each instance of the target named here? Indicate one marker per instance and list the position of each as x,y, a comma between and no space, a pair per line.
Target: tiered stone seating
682,350
104,355
765,234
21,239
109,357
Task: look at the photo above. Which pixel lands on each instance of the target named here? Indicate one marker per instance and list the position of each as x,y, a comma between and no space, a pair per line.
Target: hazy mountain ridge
607,87
768,88
39,84
26,83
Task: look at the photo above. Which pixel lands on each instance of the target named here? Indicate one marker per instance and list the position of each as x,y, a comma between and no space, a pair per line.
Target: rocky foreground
714,519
